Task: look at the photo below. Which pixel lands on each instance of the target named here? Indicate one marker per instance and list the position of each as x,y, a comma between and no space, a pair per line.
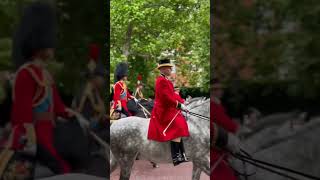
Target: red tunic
121,95
165,109
30,89
179,98
221,119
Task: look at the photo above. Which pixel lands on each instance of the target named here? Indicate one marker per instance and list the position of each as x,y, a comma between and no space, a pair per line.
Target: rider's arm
166,94
116,95
23,91
179,98
59,107
130,96
222,119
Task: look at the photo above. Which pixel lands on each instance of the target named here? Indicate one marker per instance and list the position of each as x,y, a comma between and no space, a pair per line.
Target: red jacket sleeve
222,119
165,93
59,107
130,95
116,95
179,98
21,112
23,92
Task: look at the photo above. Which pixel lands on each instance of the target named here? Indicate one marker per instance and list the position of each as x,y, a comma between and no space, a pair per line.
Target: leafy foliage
269,41
80,23
142,29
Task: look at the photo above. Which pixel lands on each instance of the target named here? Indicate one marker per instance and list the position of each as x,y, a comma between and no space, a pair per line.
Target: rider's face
166,70
46,54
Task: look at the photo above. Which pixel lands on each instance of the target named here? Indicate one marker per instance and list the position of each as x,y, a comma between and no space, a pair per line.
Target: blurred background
142,29
267,53
81,23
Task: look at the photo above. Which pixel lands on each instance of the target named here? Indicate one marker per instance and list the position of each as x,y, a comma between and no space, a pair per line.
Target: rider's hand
234,144
135,100
119,108
70,112
184,107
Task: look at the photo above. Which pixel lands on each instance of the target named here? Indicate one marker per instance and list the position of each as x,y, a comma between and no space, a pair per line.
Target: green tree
269,41
142,29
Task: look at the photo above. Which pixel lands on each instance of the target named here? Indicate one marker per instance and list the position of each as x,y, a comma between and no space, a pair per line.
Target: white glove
234,144
119,108
136,100
184,108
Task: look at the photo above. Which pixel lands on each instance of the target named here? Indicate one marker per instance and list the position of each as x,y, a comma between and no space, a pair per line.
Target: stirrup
186,159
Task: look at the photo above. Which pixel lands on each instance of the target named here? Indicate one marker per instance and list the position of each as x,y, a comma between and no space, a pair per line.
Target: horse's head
200,106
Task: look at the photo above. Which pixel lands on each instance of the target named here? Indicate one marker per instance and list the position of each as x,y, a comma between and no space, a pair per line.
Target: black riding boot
181,147
175,153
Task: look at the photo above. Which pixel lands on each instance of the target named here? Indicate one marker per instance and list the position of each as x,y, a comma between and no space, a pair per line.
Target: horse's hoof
155,166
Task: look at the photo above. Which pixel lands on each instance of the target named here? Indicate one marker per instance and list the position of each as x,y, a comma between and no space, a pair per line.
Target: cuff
178,106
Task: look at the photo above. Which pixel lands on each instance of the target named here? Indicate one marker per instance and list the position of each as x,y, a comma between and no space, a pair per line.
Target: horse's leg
126,164
196,172
203,163
154,165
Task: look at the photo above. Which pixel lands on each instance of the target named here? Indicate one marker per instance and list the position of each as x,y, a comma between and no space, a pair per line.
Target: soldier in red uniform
225,130
35,97
167,123
121,95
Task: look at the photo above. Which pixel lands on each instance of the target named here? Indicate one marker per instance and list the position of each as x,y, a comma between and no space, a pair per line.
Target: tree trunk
127,43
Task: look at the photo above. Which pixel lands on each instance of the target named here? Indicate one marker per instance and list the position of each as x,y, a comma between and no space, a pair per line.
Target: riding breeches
46,152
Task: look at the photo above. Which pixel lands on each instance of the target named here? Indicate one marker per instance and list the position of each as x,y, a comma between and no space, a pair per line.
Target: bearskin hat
121,71
36,30
94,52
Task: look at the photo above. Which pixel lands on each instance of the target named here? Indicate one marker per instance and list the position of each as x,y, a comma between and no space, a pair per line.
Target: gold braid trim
97,107
6,154
88,94
84,97
5,157
45,83
30,132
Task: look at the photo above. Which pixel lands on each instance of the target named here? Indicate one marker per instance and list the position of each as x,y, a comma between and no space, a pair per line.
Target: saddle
19,164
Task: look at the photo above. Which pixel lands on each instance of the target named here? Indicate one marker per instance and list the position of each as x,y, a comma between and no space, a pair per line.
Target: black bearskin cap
36,30
121,71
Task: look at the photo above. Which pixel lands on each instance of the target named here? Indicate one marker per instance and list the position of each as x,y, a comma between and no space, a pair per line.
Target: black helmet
121,71
36,30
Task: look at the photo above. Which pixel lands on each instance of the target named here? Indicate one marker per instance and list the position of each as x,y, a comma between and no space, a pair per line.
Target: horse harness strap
268,166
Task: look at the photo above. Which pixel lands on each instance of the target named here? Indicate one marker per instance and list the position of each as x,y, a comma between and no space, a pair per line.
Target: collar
164,76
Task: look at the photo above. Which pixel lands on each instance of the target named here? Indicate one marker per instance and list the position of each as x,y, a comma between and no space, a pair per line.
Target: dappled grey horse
295,149
73,137
128,137
73,177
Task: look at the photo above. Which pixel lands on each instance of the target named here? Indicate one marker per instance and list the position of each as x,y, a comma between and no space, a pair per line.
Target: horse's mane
192,100
196,102
200,101
313,125
271,120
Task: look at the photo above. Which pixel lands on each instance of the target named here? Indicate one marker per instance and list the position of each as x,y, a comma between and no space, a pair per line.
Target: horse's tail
113,162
